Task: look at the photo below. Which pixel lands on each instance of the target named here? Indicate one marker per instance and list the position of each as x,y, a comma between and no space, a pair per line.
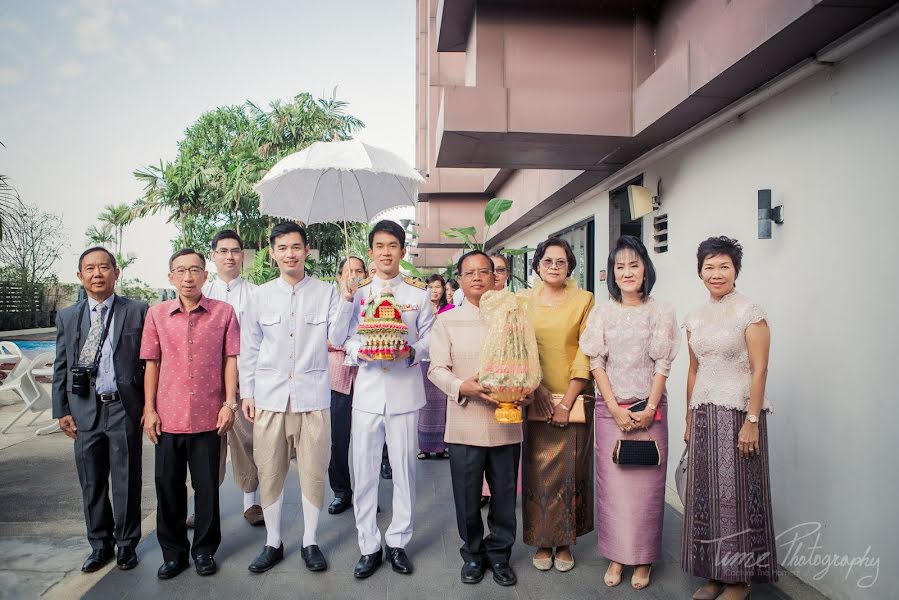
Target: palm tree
117,216
9,200
100,236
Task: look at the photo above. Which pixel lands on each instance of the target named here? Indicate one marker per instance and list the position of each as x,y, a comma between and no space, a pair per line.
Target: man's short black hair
285,228
391,227
720,246
549,243
98,249
186,252
343,262
469,255
624,243
227,234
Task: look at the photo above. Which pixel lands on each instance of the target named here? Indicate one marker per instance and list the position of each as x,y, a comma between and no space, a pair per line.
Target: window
620,222
581,238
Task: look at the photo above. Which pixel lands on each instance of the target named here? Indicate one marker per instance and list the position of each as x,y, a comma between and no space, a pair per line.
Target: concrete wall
828,149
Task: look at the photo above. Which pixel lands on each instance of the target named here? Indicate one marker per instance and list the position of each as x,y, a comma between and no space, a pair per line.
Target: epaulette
365,282
416,282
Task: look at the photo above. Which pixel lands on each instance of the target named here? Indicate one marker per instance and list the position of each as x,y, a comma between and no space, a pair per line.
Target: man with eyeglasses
190,385
230,287
479,446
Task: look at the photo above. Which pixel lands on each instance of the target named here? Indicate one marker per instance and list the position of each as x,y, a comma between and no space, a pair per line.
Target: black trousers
175,453
339,467
468,467
111,451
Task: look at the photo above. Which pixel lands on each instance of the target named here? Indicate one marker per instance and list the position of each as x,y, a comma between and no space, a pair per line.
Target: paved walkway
433,550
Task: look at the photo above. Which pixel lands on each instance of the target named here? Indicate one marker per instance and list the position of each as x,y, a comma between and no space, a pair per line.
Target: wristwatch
752,419
232,406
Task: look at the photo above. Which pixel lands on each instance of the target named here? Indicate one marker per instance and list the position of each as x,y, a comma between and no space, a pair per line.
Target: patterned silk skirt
728,526
432,416
630,501
557,482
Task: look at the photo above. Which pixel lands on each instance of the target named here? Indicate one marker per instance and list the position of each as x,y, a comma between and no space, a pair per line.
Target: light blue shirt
284,335
105,383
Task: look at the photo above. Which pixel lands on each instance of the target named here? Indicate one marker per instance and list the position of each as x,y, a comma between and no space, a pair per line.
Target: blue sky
90,90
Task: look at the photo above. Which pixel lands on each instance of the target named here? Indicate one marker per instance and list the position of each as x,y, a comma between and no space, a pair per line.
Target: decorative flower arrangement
382,327
510,364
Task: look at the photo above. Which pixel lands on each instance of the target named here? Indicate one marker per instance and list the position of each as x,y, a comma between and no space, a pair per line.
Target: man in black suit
101,335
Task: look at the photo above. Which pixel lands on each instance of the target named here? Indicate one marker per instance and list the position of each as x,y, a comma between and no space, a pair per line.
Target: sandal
639,583
444,454
711,590
612,579
423,455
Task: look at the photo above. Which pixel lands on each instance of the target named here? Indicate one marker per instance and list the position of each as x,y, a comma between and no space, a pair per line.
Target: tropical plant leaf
411,268
515,251
494,209
460,232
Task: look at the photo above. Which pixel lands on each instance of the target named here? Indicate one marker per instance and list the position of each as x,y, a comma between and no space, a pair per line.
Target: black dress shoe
503,573
386,471
367,565
473,571
314,559
126,558
170,568
267,559
399,561
205,565
339,504
97,559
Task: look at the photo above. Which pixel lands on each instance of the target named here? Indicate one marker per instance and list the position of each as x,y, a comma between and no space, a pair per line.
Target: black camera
81,380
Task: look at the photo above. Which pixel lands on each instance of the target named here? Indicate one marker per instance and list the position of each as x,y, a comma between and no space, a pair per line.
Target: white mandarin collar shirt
234,292
284,343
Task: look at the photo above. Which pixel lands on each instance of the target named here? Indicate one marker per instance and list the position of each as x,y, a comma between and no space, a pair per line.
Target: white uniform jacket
393,387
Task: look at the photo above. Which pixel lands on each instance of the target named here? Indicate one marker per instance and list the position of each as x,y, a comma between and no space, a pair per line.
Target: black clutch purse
640,453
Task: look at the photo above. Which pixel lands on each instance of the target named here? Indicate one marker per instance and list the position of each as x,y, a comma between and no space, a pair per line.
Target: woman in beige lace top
728,526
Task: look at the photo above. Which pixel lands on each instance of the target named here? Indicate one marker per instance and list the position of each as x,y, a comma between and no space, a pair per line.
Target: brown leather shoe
254,516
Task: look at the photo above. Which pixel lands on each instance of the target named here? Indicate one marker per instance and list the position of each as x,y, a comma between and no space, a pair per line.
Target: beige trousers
274,434
240,442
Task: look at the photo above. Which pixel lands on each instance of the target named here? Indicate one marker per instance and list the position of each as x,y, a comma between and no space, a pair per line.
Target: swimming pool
33,348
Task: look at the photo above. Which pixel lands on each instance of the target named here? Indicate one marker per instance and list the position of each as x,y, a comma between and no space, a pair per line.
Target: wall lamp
767,214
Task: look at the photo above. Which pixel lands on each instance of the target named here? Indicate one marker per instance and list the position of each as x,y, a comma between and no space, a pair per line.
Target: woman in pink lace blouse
631,341
728,526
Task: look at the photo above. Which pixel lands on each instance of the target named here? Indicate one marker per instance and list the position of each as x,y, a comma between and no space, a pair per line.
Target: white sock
272,516
249,499
310,522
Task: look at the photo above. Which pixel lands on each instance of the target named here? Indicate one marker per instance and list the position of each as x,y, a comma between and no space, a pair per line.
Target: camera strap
96,362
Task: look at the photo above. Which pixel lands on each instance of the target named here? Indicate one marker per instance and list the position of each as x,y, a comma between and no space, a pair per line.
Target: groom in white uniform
385,405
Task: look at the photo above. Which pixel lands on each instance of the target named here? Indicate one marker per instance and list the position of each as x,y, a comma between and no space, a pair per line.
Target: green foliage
263,268
137,290
209,184
412,270
468,235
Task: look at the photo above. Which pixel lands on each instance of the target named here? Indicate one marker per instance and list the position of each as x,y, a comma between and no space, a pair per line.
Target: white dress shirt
284,339
235,292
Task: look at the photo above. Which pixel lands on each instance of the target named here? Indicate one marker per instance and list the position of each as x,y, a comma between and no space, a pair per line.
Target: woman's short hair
720,246
625,243
442,301
549,243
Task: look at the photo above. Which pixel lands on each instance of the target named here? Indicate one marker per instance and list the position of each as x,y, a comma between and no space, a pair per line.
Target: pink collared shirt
191,348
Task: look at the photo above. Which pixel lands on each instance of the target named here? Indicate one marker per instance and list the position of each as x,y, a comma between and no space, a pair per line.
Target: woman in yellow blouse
557,456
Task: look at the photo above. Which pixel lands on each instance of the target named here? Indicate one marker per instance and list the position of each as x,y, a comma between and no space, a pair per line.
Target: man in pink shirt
191,345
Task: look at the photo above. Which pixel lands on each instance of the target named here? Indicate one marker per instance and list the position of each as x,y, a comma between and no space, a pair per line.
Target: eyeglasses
227,251
549,263
181,271
500,270
471,274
